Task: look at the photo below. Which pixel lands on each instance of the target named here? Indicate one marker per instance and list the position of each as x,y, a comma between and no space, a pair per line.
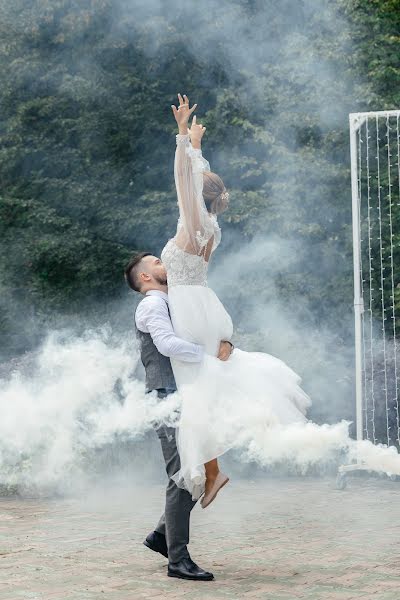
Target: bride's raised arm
195,227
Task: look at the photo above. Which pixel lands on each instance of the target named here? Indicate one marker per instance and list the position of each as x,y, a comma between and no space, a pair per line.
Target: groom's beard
162,280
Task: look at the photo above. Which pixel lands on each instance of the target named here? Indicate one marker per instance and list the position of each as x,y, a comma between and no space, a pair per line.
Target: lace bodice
183,268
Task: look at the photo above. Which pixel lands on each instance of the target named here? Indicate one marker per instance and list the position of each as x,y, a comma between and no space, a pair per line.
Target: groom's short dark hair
132,271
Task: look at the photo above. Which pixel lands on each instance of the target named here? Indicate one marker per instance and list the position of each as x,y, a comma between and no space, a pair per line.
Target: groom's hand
225,349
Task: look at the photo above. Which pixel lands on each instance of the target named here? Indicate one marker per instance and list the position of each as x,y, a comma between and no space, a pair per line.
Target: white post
357,120
358,304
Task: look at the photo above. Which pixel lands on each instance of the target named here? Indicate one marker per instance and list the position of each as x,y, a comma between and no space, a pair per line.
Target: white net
376,182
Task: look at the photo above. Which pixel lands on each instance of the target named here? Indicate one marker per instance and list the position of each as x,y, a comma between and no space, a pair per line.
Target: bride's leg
212,470
215,480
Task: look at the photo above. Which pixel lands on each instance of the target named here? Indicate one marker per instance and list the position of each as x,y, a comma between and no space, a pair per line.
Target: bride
221,401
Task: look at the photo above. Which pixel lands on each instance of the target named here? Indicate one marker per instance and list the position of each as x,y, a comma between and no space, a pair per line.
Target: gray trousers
175,521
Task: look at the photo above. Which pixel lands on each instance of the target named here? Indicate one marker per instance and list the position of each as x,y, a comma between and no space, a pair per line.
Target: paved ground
275,539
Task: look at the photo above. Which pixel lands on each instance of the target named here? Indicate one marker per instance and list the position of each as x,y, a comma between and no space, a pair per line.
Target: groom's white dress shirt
152,316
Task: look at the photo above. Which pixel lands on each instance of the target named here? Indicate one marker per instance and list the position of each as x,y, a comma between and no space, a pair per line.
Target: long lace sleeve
195,226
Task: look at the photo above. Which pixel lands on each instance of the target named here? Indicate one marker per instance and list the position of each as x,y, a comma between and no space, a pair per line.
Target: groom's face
153,266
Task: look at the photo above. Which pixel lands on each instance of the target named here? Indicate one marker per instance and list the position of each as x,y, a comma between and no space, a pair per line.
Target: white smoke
303,446
82,395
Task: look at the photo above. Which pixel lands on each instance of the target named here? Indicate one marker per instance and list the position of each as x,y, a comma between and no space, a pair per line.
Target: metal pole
358,304
380,113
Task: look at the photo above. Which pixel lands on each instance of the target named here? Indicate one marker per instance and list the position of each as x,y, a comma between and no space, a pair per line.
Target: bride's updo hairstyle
214,193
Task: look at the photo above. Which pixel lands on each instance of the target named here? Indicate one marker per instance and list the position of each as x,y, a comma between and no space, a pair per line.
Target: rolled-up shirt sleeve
152,317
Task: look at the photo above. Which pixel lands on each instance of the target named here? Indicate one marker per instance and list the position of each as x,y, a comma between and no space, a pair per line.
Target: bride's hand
196,132
182,113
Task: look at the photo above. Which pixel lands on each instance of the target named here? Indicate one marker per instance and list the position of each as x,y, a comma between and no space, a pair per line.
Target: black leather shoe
156,541
187,569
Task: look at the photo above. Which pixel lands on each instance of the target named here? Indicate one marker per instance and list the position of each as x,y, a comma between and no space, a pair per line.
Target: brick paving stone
273,539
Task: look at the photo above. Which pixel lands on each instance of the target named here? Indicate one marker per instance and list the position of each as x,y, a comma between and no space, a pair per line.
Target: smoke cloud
82,393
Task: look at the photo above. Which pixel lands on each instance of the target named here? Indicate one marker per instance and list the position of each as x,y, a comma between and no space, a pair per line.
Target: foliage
87,140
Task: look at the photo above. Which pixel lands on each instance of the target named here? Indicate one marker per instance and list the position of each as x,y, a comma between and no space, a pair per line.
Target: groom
146,274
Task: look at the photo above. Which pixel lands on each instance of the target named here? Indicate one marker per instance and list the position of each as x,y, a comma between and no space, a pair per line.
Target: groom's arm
152,317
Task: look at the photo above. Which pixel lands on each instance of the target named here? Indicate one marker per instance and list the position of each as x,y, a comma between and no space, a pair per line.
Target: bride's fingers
192,109
180,100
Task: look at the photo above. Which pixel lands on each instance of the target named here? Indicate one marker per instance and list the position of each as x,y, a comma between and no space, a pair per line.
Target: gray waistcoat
158,368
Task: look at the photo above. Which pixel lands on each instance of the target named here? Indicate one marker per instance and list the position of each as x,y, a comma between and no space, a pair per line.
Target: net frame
366,147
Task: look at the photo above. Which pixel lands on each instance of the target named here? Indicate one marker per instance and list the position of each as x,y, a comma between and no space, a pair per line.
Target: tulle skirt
224,402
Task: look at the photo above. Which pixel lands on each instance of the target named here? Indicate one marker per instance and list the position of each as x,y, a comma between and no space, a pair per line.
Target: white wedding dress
221,401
